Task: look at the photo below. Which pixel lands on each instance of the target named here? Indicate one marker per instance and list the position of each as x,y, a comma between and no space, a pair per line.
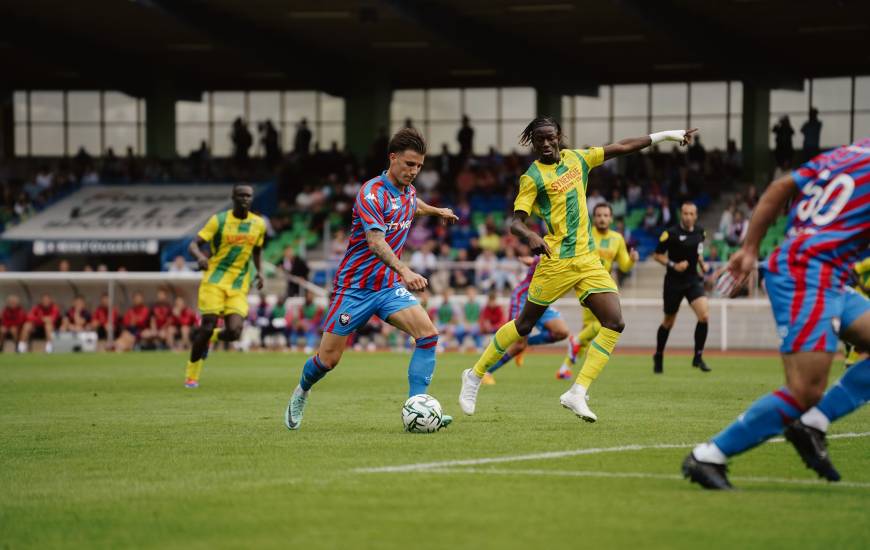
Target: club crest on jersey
344,319
371,197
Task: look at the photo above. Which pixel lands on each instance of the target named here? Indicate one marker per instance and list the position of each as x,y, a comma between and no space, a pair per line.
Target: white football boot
468,393
295,408
575,400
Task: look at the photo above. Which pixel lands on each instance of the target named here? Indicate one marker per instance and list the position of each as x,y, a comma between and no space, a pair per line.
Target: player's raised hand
447,215
687,137
736,273
538,245
414,281
258,281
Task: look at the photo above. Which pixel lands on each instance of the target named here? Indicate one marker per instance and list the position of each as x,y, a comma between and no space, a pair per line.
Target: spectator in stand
294,266
444,163
737,231
308,321
696,154
812,131
43,320
651,218
751,198
423,261
490,236
727,218
493,316
619,204
135,324
100,318
447,321
77,318
461,277
486,270
183,322
465,137
63,266
302,139
427,182
179,265
261,317
634,195
12,322
269,140
784,150
471,318
594,199
161,329
241,138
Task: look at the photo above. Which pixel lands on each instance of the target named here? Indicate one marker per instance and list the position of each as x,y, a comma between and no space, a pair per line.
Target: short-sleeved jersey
380,206
681,245
14,316
829,222
232,242
611,246
557,194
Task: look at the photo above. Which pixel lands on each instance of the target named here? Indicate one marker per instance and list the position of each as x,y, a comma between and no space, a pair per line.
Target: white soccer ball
421,414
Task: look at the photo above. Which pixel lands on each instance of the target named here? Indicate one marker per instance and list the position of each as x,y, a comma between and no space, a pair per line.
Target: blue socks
543,337
850,392
762,420
313,371
422,365
501,362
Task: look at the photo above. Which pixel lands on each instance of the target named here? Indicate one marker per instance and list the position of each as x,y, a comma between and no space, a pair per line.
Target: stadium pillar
160,122
756,132
548,103
7,125
367,110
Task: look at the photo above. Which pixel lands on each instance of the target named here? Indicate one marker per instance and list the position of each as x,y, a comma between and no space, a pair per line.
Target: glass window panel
518,104
188,138
228,106
835,130
480,104
862,93
444,105
567,107
331,108
789,101
708,98
737,130
443,132
265,106
510,136
46,106
87,136
670,99
20,110
485,136
20,140
299,105
832,94
862,127
629,100
83,106
586,106
712,132
628,128
406,103
330,132
590,133
120,107
192,111
223,145
48,140
121,136
140,149
736,97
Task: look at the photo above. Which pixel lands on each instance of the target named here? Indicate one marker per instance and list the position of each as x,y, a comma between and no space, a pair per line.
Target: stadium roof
339,45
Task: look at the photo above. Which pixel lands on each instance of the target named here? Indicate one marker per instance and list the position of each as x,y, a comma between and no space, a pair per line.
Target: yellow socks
501,341
597,356
193,369
214,335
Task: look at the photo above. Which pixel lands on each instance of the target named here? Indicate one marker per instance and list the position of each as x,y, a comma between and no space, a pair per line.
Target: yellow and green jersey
556,193
611,246
862,269
232,242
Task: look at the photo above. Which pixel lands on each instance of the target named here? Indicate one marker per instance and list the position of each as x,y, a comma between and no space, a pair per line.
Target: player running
861,285
551,326
828,230
235,237
681,251
554,188
368,281
611,246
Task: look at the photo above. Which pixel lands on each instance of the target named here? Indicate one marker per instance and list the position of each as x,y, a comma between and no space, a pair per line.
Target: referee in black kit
680,250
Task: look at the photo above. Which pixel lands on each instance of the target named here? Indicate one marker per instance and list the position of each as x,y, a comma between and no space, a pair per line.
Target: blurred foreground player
862,287
828,230
368,281
235,237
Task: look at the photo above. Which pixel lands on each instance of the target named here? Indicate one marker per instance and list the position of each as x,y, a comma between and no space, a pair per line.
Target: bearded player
554,189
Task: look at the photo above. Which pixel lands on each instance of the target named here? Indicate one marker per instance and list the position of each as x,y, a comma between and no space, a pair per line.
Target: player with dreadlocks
554,189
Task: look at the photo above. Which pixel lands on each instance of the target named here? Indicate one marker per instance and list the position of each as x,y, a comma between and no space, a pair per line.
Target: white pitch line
425,466
642,475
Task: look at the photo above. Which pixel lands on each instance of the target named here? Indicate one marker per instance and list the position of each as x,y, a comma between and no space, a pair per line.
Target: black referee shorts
675,292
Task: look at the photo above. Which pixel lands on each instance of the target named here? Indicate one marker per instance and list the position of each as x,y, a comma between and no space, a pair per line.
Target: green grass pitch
110,451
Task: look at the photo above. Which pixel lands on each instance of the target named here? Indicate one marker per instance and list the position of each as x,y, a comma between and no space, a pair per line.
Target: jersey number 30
819,197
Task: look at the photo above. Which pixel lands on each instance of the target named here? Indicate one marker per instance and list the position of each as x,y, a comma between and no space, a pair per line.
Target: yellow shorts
554,277
216,300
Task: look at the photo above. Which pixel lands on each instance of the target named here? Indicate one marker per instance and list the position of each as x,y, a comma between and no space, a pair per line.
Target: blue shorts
549,314
351,308
854,306
810,308
516,306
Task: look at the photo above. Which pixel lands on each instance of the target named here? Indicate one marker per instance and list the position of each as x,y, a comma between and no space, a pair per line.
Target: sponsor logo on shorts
835,322
403,292
344,319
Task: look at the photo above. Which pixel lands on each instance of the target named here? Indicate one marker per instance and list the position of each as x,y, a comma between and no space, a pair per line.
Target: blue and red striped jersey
518,296
829,221
382,206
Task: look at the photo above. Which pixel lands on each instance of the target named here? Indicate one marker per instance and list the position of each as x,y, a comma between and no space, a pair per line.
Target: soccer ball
421,414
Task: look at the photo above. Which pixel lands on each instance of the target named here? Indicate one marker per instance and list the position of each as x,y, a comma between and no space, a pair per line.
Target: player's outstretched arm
377,243
195,249
446,214
632,145
520,229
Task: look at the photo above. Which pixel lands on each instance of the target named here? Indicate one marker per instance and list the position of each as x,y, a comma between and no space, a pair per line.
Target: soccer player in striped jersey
554,188
235,238
828,231
369,278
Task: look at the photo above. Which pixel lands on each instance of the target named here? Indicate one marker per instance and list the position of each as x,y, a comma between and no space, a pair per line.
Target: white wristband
667,135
